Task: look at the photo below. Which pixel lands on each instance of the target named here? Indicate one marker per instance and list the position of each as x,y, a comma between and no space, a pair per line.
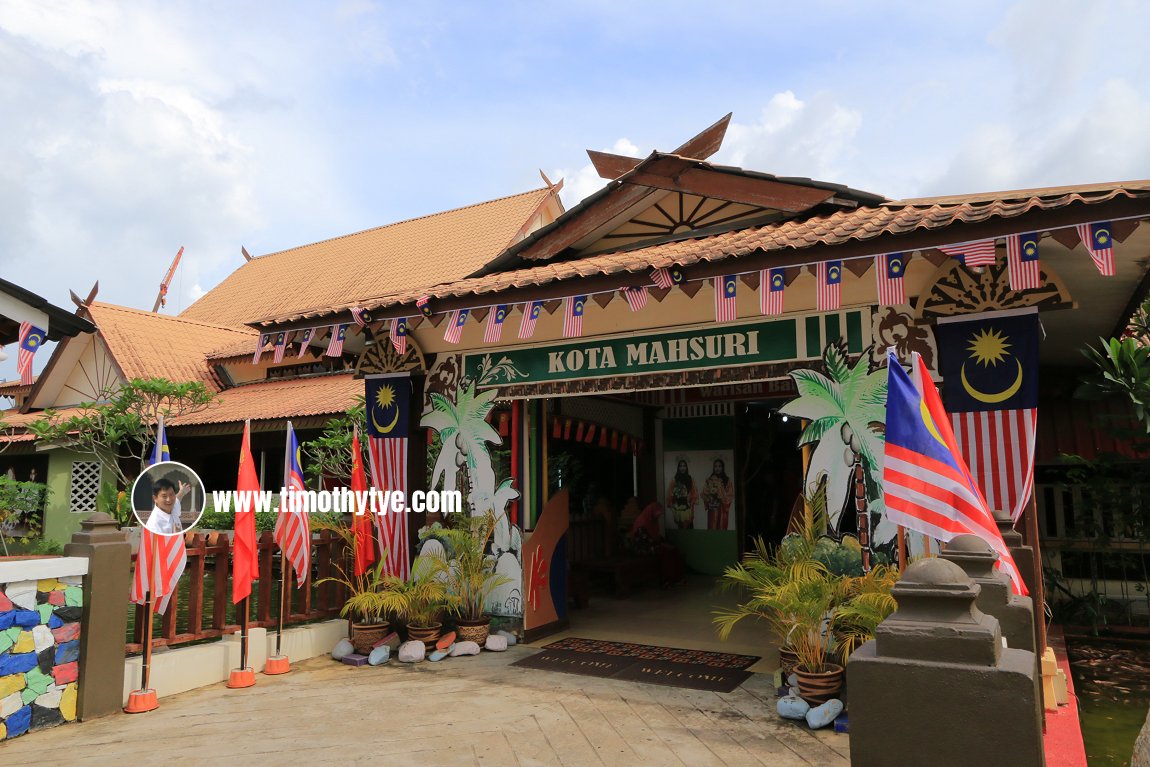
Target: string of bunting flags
1022,259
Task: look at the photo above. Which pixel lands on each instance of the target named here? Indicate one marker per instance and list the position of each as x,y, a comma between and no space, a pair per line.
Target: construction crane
162,298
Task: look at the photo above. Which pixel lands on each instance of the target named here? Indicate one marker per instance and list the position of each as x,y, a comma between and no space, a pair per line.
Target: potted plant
421,600
869,602
471,575
804,607
366,607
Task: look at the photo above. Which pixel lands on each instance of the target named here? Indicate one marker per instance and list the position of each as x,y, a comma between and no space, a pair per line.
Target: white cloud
583,181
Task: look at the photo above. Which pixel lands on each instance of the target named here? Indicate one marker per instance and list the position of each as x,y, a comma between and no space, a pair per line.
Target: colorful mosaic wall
39,653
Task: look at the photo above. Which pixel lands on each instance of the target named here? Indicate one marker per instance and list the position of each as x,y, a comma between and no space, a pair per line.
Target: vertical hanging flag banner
772,286
725,291
889,269
335,345
292,531
573,307
978,253
361,525
667,276
455,325
1099,244
1022,261
245,556
398,335
531,312
31,338
304,340
263,341
636,297
424,304
281,346
361,316
494,330
388,401
829,275
990,367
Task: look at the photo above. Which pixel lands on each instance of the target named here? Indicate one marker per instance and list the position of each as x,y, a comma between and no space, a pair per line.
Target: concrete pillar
936,686
105,620
1024,560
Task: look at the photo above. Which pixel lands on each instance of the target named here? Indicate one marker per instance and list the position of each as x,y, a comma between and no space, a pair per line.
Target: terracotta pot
474,630
365,635
787,661
426,634
819,688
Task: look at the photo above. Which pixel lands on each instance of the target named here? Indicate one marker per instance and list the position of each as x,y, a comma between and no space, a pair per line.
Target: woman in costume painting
682,497
718,494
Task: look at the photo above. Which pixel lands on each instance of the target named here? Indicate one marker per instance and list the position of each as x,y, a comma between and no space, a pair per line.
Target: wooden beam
777,195
612,166
698,147
617,201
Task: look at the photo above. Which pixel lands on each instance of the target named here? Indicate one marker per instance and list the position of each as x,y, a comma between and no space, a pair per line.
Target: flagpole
142,700
901,548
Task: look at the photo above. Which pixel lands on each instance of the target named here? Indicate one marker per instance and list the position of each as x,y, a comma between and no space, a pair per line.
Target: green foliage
471,573
21,504
330,454
1122,366
226,520
422,599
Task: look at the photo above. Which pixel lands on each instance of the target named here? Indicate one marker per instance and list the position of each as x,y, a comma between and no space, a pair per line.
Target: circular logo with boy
168,498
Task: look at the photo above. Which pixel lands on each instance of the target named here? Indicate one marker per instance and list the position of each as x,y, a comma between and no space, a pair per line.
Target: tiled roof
17,421
428,250
286,398
861,224
147,345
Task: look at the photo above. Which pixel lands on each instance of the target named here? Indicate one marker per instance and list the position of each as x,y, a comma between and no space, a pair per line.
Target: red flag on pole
361,523
245,560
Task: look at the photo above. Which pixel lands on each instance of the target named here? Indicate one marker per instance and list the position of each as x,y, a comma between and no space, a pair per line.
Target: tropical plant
1122,366
868,602
329,454
21,504
471,575
366,603
423,598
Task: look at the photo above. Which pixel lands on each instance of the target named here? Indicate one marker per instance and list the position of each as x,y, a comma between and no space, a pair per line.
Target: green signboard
710,346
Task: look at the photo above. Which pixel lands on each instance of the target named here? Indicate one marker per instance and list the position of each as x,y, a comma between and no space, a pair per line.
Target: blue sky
133,128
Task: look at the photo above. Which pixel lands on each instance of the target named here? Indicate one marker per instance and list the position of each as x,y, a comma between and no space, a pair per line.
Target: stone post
1024,560
105,620
936,686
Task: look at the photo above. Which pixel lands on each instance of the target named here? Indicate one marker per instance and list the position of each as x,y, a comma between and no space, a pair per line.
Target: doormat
585,664
651,652
690,675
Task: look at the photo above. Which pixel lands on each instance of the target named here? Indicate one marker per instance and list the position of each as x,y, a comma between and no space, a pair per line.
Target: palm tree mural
846,411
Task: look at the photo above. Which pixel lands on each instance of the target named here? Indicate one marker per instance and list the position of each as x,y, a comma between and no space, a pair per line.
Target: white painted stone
51,698
792,707
496,643
42,636
412,652
511,638
22,594
342,649
465,648
821,716
11,704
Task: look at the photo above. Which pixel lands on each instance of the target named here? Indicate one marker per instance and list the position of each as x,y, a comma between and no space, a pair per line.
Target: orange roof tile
15,420
432,249
283,398
147,345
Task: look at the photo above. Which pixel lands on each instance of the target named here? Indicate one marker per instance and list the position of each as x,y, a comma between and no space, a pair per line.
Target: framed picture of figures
700,491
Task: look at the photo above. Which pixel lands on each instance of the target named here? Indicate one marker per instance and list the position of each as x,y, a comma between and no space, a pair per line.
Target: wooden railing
202,606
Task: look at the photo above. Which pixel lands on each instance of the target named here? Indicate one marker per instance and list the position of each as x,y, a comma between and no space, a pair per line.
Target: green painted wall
59,521
706,551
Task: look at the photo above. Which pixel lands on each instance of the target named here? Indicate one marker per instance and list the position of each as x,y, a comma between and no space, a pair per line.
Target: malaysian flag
281,347
978,253
494,330
398,335
991,371
531,312
667,276
388,401
1022,261
725,289
292,531
335,345
455,326
31,337
636,297
926,483
423,302
304,340
162,558
1099,244
361,316
573,316
265,339
772,286
888,270
829,275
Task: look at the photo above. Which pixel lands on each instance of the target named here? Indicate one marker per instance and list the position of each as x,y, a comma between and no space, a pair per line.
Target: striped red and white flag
636,297
662,278
494,330
335,345
159,565
531,311
889,269
388,459
304,340
725,296
1022,261
264,340
292,529
772,287
455,322
998,445
829,276
31,337
398,335
573,307
281,347
1099,244
977,253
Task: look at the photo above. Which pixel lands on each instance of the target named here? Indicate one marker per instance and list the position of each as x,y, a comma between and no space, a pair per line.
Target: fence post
1024,560
105,618
936,685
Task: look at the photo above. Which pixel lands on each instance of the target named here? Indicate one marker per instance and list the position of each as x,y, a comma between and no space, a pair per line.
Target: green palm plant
803,606
421,599
471,575
868,603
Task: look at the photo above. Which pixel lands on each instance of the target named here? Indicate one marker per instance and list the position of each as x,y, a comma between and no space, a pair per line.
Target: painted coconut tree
464,435
846,412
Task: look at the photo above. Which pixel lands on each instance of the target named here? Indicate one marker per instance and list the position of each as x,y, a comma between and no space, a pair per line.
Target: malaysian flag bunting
927,485
1099,244
424,305
829,275
388,401
991,371
365,547
1022,261
292,531
725,290
636,297
531,312
772,286
162,558
888,270
281,347
667,276
361,316
335,345
978,253
304,340
245,556
455,326
265,339
398,335
494,329
31,337
573,307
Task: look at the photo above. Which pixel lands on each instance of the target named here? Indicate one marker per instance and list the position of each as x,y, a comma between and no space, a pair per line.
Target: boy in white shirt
165,516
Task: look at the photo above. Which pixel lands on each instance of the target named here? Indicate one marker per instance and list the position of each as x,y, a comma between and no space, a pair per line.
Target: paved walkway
462,711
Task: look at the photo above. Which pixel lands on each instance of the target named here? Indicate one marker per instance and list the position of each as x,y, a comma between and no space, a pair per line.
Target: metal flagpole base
141,701
278,664
241,677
